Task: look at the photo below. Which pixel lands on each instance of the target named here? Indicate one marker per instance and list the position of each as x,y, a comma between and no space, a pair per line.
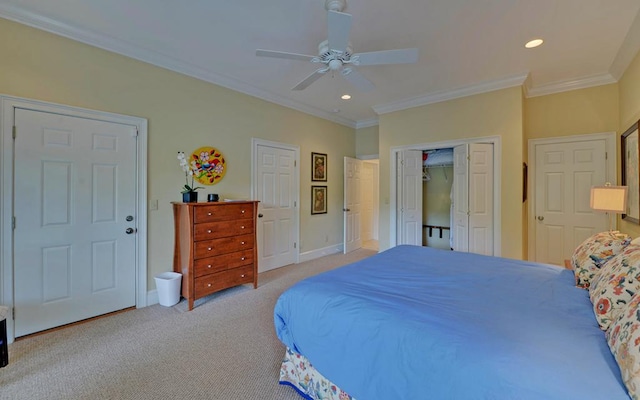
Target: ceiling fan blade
357,79
310,79
282,54
399,56
338,28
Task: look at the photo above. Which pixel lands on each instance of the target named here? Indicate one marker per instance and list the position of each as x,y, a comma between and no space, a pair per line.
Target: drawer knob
209,214
243,211
209,231
209,248
209,285
242,227
242,259
242,276
209,266
241,242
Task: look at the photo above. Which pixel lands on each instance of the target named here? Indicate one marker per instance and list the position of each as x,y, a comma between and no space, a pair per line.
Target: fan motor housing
335,5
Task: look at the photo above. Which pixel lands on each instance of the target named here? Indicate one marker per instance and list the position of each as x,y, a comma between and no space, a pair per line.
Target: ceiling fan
336,53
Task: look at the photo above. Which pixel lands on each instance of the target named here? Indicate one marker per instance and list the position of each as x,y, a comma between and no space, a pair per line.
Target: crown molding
141,54
628,50
366,123
437,97
573,84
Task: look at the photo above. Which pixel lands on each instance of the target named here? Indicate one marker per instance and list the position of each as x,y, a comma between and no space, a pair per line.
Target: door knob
129,231
540,218
346,209
259,215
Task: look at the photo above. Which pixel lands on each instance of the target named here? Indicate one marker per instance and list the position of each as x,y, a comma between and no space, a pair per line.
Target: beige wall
578,112
183,113
497,113
629,113
367,141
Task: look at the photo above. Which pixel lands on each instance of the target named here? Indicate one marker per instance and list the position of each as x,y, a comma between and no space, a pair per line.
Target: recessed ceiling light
345,96
533,43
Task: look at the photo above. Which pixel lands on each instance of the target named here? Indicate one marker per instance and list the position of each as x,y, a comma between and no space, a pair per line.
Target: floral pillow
614,285
594,252
623,338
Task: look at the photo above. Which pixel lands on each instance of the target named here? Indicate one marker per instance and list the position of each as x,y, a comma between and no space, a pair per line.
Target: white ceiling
466,46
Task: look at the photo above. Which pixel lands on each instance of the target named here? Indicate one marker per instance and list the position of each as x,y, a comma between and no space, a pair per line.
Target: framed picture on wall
318,200
318,167
629,169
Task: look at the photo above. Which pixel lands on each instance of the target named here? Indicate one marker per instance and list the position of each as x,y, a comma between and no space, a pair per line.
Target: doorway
407,170
361,207
275,177
74,228
561,173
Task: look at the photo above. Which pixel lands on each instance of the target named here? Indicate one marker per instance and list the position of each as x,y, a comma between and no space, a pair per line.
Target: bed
421,323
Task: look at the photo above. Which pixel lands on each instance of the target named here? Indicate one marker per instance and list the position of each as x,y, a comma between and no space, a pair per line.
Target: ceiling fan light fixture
533,43
345,96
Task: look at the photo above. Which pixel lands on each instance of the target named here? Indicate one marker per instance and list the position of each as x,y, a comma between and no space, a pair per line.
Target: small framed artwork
318,167
318,200
630,161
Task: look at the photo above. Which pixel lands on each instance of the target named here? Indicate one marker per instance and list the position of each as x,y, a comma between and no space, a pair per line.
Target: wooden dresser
215,246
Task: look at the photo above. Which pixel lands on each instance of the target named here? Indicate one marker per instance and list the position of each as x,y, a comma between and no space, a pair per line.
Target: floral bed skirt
297,371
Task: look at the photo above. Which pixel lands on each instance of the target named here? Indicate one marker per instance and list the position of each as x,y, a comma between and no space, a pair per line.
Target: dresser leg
190,304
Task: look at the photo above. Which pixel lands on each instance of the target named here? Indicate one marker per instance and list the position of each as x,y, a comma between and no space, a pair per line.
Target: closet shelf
432,227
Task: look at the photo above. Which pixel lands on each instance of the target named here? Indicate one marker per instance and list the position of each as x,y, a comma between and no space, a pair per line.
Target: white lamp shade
609,198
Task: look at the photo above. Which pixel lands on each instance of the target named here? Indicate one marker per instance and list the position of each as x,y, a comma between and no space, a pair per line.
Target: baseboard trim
313,254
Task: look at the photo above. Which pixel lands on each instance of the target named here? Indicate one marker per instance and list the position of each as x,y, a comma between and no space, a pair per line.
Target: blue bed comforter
420,323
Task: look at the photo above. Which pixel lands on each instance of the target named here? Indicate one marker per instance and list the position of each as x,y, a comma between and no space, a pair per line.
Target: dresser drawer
208,284
216,247
214,230
211,265
222,212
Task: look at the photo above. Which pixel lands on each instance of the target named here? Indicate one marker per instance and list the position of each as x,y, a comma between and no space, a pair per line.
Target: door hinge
295,163
295,204
13,313
294,245
468,213
14,132
13,223
606,155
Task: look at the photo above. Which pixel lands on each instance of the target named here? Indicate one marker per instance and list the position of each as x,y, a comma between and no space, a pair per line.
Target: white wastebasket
168,285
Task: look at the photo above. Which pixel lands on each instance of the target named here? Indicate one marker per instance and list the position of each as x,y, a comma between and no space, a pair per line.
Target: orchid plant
189,172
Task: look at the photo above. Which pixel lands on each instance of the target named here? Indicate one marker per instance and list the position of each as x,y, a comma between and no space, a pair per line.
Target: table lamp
609,199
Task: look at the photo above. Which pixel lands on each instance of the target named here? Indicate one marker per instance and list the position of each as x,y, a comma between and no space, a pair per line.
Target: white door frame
8,103
255,142
497,181
610,173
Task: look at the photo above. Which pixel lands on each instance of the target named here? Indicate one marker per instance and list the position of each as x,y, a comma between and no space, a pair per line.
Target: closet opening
437,197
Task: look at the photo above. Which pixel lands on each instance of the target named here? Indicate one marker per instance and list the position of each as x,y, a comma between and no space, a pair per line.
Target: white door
480,177
367,201
74,191
564,175
460,228
410,180
352,204
277,189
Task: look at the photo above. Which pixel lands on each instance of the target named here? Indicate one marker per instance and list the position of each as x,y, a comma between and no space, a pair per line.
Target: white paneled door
564,175
352,204
75,219
410,180
276,191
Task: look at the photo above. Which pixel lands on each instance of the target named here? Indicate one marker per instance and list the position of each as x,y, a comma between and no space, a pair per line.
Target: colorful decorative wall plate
209,165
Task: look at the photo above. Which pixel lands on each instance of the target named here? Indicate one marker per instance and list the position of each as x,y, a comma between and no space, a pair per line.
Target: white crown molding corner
127,49
366,123
574,84
437,97
628,50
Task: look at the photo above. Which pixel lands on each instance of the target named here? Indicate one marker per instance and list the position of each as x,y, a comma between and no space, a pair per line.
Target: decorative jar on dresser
215,246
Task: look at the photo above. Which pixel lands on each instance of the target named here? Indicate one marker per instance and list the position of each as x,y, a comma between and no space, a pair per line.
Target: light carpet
225,348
